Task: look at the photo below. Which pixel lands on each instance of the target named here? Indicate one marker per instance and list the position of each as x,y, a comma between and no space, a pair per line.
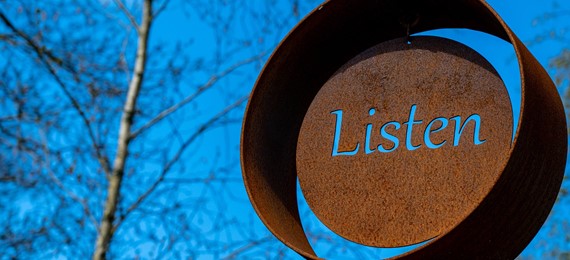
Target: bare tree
119,126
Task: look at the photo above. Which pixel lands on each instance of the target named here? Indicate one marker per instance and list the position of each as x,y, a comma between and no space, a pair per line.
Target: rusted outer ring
517,206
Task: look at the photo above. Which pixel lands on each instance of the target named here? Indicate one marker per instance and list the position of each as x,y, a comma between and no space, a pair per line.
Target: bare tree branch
113,191
211,82
42,52
161,8
249,246
128,14
178,154
67,191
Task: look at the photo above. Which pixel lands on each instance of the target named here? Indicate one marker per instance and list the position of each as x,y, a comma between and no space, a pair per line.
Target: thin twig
127,14
161,8
211,82
40,50
178,154
42,54
249,246
59,184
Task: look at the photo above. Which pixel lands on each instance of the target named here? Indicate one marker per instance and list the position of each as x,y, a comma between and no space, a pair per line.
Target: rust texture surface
498,225
411,188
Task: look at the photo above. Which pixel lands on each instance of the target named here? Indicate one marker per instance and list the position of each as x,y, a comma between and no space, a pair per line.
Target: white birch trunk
105,233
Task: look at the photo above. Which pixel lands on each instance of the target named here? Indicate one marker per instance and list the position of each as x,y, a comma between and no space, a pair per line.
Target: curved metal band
517,206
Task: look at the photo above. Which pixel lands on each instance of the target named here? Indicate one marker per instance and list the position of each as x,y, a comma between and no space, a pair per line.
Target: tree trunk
105,233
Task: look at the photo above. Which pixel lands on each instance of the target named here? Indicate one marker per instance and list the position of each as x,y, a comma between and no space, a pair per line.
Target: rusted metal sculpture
336,106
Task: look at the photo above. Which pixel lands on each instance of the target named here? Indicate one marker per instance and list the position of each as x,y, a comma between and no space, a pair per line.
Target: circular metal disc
404,141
